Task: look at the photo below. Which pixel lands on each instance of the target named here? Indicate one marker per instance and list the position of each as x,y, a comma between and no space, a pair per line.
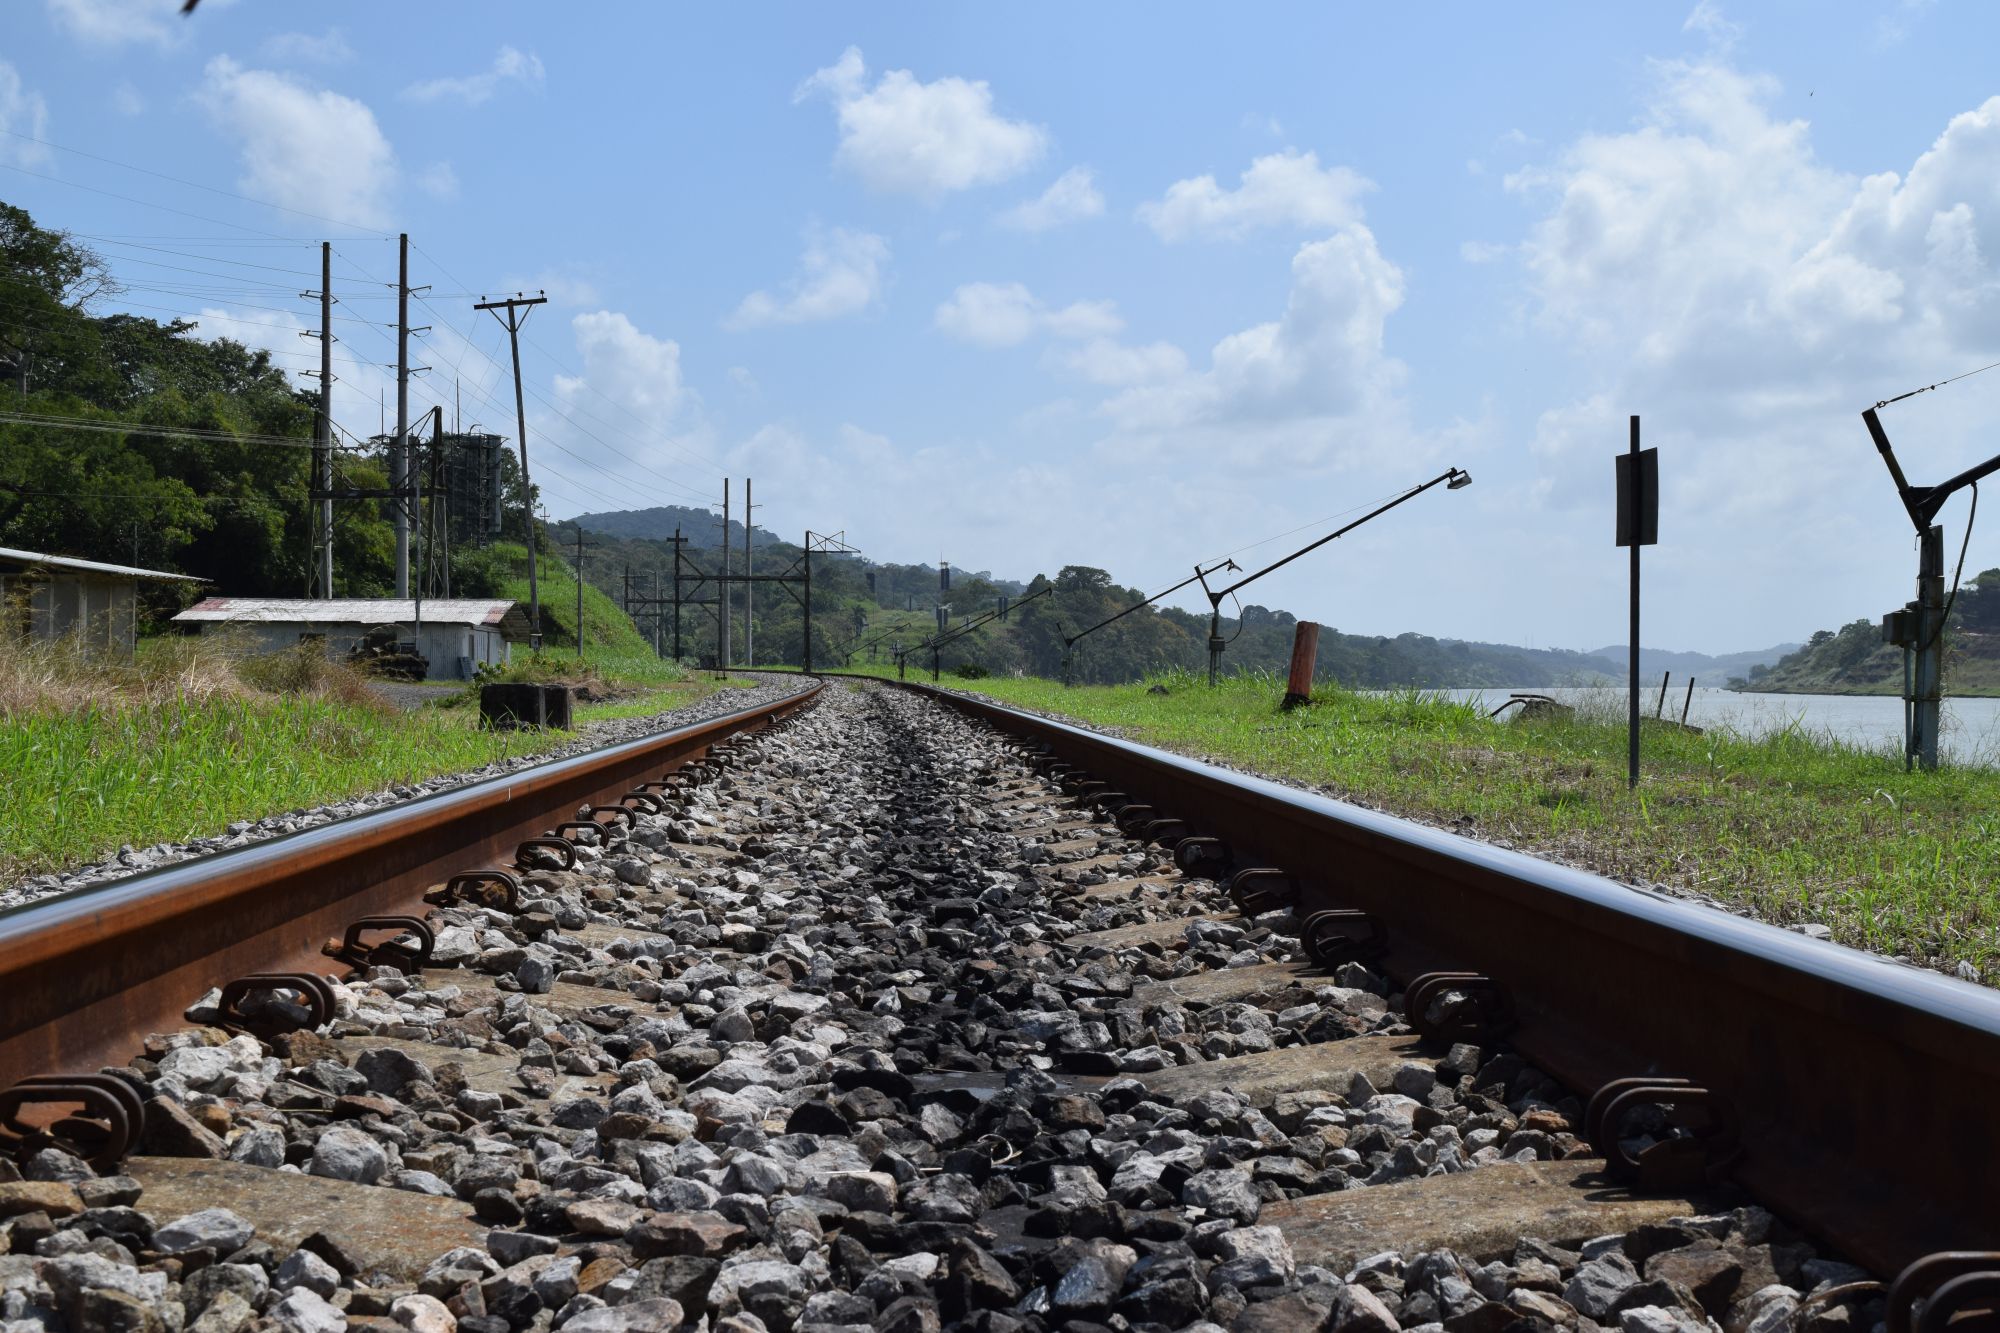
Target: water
1971,726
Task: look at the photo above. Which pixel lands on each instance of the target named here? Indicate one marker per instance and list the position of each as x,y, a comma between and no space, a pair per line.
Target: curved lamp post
1455,479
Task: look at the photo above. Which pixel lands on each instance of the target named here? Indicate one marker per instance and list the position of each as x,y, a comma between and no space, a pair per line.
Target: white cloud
744,381
1323,358
1713,274
120,22
22,111
994,314
639,372
438,181
903,136
841,273
509,66
1286,189
126,101
308,149
1708,20
562,286
1071,198
1115,365
305,48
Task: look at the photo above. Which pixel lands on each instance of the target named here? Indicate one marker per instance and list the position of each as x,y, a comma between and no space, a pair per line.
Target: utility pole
656,613
323,424
513,321
679,542
579,592
722,590
749,589
399,460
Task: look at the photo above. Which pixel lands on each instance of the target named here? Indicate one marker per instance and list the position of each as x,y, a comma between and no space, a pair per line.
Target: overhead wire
1928,388
198,292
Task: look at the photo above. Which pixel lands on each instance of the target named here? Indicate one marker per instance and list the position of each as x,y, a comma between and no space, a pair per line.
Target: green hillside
1854,660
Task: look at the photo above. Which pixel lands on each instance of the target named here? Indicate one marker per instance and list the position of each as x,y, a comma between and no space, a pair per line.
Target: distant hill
1711,670
702,528
1854,660
891,602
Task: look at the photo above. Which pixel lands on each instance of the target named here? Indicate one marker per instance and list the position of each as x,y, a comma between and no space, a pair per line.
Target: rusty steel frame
83,977
1866,1087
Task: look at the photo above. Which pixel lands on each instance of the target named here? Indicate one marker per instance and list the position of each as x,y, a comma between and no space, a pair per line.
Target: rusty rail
1865,1088
84,976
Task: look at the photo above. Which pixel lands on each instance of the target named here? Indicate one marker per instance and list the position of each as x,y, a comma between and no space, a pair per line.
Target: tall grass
196,734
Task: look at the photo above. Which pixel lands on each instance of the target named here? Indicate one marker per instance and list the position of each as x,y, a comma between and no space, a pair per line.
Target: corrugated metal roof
8,553
502,615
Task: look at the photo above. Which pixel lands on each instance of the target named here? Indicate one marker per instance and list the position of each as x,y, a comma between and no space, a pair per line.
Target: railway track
888,1008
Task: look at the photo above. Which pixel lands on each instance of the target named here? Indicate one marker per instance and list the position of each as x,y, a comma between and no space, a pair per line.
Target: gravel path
831,1045
592,736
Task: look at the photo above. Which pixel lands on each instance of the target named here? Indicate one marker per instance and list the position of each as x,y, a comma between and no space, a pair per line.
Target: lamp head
1459,481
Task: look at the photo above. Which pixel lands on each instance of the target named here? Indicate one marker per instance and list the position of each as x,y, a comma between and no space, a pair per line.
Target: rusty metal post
1305,654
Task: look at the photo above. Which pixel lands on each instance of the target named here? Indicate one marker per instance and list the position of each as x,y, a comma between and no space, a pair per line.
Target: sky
1124,285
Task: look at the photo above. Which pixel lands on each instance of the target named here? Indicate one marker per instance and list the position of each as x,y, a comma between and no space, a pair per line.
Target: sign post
1638,525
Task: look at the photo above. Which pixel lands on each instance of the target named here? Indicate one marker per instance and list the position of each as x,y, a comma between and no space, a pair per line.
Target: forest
133,441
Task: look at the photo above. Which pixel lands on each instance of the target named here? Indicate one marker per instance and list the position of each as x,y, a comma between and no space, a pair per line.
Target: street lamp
1070,640
1454,479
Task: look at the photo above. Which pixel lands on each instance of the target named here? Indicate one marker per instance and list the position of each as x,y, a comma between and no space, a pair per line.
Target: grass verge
194,736
1798,827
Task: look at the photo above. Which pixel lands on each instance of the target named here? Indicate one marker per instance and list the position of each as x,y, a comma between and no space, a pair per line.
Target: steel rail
1866,1088
84,976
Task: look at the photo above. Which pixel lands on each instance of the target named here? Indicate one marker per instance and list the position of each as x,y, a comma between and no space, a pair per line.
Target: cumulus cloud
841,273
1710,253
639,372
305,148
438,180
1006,314
120,22
1071,198
1324,357
509,66
306,48
904,136
22,111
1707,269
1286,189
1116,365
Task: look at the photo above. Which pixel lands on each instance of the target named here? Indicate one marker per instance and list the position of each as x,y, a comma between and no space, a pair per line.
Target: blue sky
1119,285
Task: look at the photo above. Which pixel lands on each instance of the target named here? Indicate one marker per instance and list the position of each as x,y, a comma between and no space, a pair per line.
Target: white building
457,635
64,596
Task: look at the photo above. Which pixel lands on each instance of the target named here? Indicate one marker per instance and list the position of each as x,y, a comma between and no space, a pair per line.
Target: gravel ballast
819,1048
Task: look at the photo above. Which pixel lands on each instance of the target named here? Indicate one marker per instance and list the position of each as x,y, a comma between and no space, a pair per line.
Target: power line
204,434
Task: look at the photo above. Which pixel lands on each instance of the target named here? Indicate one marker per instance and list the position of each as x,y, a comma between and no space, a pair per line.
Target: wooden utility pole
514,318
749,589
